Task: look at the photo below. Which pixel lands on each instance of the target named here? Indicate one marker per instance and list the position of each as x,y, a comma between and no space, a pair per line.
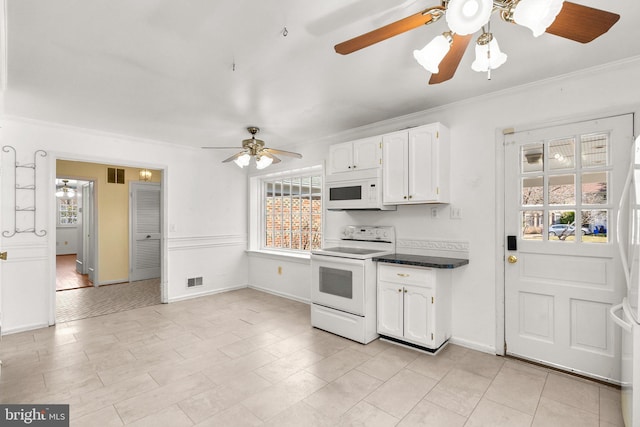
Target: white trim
301,258
499,244
206,293
4,66
31,327
203,242
473,345
280,294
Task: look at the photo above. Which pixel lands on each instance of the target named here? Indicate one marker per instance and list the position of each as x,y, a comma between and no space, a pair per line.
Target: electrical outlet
434,213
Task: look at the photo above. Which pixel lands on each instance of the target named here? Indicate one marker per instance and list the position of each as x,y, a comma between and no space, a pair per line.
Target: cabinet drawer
406,275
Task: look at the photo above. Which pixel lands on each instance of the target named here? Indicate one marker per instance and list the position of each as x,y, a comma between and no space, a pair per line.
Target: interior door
563,272
146,230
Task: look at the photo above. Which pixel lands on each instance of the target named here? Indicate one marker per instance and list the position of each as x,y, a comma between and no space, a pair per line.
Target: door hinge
437,190
433,299
432,336
437,134
380,144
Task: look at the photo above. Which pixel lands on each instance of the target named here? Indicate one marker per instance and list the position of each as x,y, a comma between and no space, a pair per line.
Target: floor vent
194,281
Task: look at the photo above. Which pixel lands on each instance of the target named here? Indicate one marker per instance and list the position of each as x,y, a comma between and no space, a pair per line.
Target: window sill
287,256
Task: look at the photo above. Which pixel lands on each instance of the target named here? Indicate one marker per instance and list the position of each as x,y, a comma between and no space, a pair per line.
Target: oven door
338,283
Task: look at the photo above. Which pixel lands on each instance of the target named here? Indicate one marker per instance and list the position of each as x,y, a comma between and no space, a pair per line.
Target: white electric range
343,285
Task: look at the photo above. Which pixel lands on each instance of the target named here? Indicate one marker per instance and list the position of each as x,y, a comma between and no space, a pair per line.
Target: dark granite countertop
422,261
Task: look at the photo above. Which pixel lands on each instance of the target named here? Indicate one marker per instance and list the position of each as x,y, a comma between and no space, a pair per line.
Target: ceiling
199,72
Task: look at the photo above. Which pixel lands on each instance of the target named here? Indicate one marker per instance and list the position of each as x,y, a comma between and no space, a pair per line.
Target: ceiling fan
465,17
253,147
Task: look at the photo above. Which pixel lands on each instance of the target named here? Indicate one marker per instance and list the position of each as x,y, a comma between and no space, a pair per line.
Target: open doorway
100,211
75,254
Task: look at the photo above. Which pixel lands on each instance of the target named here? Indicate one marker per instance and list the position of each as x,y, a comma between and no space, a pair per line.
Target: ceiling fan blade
235,156
282,152
582,23
388,31
221,148
449,64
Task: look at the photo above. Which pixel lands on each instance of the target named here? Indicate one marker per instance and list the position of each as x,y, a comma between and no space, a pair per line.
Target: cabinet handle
411,197
404,197
354,166
402,274
405,291
399,290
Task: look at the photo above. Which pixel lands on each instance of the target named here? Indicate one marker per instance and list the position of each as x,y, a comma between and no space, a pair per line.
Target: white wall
204,234
66,240
476,133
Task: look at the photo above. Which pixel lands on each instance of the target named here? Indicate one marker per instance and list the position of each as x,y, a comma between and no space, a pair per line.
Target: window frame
257,205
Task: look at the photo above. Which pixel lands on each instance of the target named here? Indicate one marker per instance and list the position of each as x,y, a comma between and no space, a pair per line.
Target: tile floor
75,304
247,358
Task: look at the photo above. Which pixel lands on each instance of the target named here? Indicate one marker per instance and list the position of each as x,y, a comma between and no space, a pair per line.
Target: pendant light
65,192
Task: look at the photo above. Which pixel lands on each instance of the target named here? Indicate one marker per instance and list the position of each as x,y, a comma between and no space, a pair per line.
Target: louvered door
146,230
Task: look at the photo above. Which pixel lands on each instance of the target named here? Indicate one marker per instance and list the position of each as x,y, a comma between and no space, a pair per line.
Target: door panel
417,314
390,309
146,226
562,187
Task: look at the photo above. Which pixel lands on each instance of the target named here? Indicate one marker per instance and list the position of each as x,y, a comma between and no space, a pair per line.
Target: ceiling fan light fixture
432,54
263,161
537,15
488,54
468,16
243,160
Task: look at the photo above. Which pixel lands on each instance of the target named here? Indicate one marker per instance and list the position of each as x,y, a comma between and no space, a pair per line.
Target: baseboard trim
473,345
205,293
6,331
280,294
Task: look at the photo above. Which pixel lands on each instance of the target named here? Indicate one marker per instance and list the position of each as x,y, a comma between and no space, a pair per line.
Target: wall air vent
115,176
194,281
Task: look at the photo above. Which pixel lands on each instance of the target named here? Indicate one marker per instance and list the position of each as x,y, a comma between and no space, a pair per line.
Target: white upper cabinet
416,165
355,155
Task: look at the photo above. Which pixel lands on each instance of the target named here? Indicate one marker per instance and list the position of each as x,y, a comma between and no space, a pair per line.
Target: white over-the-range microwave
355,190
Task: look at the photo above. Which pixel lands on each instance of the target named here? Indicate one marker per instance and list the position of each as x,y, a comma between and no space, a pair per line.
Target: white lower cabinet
414,304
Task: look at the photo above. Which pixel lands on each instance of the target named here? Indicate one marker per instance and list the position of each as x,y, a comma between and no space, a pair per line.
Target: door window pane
595,150
532,191
562,189
532,158
532,225
594,226
594,188
561,225
562,154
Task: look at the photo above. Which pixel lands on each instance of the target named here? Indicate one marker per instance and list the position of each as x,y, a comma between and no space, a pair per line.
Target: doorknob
3,256
512,259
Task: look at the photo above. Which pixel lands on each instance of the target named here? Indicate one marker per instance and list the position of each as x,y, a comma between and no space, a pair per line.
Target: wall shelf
26,190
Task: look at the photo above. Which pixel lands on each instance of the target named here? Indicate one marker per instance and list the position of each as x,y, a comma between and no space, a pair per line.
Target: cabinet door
367,153
340,157
418,326
423,164
390,309
394,168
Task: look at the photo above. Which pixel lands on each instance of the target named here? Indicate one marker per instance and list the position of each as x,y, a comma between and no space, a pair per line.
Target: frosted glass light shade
243,160
432,54
263,162
488,56
468,16
537,15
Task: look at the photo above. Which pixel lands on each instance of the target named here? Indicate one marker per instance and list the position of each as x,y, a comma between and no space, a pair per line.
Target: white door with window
146,230
562,188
